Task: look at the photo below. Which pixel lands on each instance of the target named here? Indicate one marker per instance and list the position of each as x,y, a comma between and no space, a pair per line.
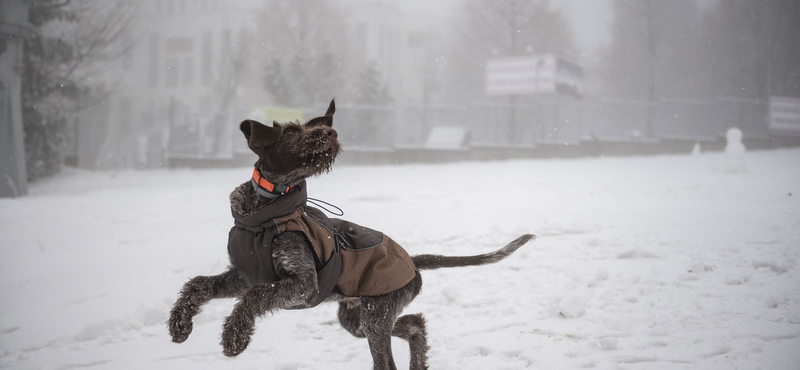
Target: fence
215,137
553,121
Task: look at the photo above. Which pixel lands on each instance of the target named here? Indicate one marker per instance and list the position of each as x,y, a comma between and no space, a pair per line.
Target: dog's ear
331,108
259,135
326,120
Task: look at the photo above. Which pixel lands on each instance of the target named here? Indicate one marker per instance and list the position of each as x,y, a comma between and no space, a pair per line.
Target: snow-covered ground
661,262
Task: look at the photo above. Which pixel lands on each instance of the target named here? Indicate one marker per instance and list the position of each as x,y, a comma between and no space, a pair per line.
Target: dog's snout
331,133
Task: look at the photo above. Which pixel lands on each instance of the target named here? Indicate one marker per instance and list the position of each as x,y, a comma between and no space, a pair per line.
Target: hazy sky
590,19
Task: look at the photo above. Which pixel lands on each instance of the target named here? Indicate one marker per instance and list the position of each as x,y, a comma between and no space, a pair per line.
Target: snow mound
571,307
779,267
608,343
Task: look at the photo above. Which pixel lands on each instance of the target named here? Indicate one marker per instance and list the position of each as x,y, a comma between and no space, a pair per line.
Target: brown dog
287,255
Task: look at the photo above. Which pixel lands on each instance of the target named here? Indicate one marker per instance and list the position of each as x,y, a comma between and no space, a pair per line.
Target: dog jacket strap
251,253
327,277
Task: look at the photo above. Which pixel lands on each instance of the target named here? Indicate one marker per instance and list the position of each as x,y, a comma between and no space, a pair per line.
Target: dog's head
289,152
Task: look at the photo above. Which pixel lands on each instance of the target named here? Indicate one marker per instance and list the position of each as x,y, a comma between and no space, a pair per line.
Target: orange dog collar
267,189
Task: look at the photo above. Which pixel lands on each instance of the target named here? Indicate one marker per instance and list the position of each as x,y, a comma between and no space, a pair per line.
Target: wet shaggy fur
288,154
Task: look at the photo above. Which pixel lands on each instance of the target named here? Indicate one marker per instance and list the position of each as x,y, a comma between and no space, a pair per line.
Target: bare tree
504,28
652,53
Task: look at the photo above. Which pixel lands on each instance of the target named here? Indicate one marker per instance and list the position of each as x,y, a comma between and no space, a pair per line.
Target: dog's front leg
296,287
197,292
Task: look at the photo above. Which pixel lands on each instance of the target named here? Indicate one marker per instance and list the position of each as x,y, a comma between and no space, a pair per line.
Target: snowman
734,151
696,149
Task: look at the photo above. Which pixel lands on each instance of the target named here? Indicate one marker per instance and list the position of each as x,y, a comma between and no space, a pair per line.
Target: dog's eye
291,131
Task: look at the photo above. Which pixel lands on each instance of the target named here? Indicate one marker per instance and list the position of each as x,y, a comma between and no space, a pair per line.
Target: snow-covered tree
70,42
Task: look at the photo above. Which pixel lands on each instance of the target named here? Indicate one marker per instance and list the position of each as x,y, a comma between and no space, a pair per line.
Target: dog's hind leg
350,318
296,288
197,292
412,329
378,323
408,327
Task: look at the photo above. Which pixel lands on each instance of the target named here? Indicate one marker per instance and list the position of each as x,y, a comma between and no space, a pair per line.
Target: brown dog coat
371,263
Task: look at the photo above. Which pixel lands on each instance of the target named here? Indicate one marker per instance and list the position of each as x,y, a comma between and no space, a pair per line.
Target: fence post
170,128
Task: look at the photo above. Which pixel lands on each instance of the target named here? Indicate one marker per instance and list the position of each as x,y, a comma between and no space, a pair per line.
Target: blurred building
181,87
170,89
405,46
401,44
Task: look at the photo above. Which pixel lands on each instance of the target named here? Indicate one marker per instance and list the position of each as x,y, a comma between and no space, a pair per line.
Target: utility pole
651,68
512,117
14,28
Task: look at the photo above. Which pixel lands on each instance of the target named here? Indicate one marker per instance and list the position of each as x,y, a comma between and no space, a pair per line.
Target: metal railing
193,135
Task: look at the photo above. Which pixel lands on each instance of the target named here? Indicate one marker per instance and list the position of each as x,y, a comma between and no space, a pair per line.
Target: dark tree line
738,48
43,84
753,48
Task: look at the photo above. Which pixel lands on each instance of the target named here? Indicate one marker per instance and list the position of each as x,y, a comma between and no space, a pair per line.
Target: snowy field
641,263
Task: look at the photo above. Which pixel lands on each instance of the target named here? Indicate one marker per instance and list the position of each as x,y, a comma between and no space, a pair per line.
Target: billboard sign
784,115
569,78
533,75
521,75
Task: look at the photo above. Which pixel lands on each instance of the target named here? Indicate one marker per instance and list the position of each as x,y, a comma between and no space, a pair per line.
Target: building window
225,43
188,71
152,78
361,39
127,58
180,67
171,74
207,55
418,39
124,110
181,45
225,48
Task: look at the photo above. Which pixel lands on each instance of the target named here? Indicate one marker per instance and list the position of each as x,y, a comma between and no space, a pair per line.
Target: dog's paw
180,325
236,334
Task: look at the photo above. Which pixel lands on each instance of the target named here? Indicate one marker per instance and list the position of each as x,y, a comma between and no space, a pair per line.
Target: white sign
521,75
784,115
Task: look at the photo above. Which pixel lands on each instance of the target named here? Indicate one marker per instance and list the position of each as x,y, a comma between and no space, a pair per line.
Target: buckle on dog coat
267,189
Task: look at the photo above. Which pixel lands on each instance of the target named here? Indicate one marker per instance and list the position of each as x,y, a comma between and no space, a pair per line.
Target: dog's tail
434,261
